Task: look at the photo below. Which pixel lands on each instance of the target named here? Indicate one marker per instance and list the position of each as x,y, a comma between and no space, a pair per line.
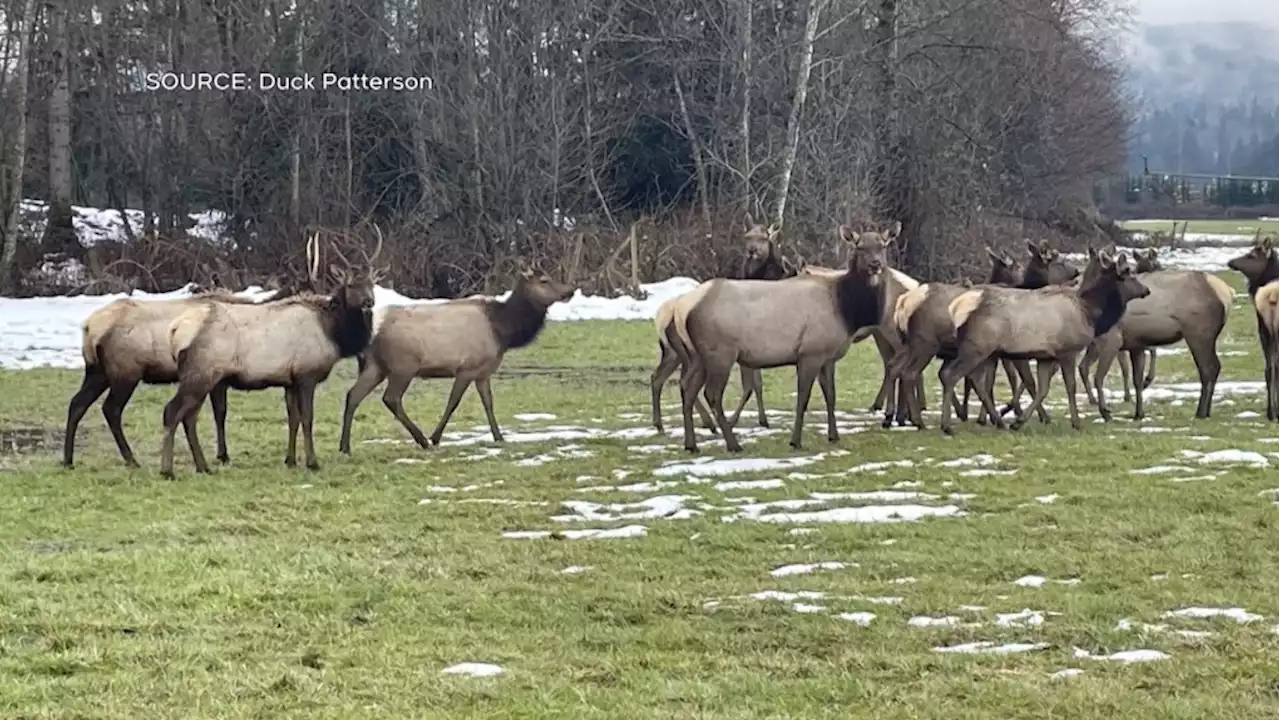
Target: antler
313,257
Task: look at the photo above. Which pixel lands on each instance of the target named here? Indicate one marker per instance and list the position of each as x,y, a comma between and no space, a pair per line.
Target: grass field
267,592
1236,226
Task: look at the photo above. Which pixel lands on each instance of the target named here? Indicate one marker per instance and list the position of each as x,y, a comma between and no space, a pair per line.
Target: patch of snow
864,514
1160,470
927,621
629,531
575,569
987,472
807,568
879,467
979,459
1047,499
1240,615
534,416
807,609
990,647
1065,673
706,467
748,485
1023,618
861,618
802,531
1124,656
663,506
473,669
902,581
1035,581
1234,457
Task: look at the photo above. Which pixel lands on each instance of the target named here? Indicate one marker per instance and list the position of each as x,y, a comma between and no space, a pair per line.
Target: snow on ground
473,669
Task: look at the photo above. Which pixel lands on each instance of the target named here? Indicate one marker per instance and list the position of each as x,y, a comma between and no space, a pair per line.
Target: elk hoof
1138,416
290,462
72,466
1105,413
129,463
224,459
1017,425
658,427
946,430
833,438
763,423
1077,425
982,420
204,471
692,449
734,448
313,465
167,474
886,423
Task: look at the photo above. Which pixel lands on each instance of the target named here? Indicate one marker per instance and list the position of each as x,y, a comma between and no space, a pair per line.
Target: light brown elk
1145,261
807,322
1052,325
1190,306
760,262
461,339
1259,267
292,343
124,344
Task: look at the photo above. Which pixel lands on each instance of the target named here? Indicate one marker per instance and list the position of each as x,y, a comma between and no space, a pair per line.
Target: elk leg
1126,378
306,394
1092,354
1100,380
218,401
486,399
113,410
692,379
193,439
1205,354
757,376
948,376
1044,374
667,364
1272,371
91,388
827,381
1151,369
748,389
1068,365
178,407
1137,358
294,412
895,387
806,373
962,407
393,398
716,378
960,410
986,393
460,385
886,349
987,376
1016,388
370,378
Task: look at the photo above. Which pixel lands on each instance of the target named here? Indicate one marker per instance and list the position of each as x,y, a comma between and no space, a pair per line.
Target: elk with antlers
292,343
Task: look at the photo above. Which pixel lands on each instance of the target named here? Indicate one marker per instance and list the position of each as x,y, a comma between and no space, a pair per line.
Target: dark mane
1104,299
859,304
1270,273
517,320
350,328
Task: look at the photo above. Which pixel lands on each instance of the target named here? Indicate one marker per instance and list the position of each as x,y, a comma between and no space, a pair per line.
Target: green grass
1236,226
266,592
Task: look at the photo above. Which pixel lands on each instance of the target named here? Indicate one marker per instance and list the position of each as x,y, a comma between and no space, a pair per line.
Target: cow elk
1260,268
461,339
807,322
292,343
126,343
1051,325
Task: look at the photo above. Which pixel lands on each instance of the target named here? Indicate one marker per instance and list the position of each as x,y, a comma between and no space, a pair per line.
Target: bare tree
13,203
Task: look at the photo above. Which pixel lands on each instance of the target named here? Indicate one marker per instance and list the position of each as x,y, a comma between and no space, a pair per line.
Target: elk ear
774,229
892,233
848,235
1268,243
1031,246
1106,259
994,255
751,222
338,274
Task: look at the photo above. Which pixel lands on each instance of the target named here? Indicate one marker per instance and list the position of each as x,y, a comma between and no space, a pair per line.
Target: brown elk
461,339
292,343
1190,306
1145,261
1051,325
760,261
124,344
1259,267
807,322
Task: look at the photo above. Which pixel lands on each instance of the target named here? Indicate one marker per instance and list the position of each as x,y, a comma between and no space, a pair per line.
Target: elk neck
517,320
859,304
350,328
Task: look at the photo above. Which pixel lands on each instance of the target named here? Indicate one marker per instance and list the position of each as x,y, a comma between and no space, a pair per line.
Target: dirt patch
18,440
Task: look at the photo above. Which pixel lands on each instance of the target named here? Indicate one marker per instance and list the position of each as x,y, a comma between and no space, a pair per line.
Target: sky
1165,11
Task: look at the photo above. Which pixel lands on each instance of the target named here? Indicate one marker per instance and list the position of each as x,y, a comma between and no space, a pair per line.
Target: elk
1190,306
124,344
1051,325
760,261
292,343
460,339
1259,267
923,322
1145,261
807,322
886,337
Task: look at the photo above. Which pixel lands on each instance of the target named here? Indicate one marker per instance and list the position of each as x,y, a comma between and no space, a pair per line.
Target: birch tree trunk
59,233
295,138
699,166
801,91
13,203
744,125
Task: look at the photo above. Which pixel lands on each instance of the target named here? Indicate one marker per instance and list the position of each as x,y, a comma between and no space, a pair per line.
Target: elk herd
1067,320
